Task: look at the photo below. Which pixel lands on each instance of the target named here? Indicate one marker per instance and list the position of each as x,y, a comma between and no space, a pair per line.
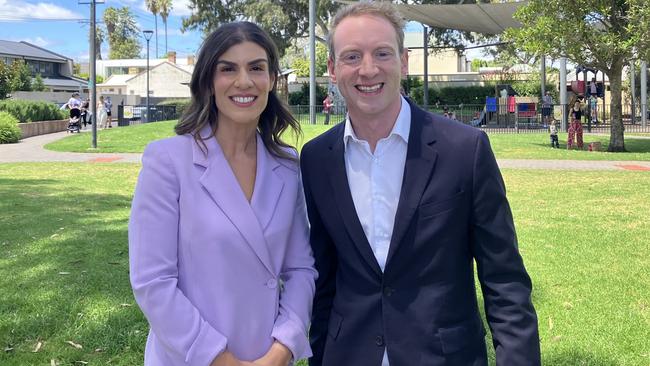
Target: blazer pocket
429,209
334,325
456,338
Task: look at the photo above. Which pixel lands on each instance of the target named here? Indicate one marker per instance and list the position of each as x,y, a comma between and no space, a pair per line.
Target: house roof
64,82
117,80
29,51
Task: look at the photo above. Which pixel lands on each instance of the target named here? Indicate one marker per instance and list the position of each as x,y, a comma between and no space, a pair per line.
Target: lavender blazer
211,271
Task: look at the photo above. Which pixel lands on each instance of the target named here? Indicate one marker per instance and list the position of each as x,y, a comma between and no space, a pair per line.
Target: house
55,69
108,68
166,80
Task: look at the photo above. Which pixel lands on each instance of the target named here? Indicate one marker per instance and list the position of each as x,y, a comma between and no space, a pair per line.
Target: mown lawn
66,294
506,146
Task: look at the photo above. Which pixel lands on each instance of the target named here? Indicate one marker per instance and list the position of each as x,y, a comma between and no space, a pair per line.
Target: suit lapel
222,186
420,161
339,181
268,185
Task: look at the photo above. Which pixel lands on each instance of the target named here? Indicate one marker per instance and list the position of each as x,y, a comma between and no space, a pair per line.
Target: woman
101,113
218,239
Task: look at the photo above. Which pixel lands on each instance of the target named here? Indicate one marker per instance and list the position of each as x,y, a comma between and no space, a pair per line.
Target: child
553,133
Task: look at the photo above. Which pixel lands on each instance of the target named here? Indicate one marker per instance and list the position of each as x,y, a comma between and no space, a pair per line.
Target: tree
5,80
165,7
154,8
284,20
21,77
37,83
593,33
123,33
301,64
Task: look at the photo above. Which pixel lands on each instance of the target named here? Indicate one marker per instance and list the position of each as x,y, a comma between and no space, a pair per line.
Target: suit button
379,340
272,283
388,291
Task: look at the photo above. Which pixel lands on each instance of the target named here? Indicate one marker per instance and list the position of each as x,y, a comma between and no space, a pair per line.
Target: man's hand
228,359
277,355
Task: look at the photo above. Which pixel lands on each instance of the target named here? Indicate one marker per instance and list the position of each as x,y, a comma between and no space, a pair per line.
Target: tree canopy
594,33
123,33
284,20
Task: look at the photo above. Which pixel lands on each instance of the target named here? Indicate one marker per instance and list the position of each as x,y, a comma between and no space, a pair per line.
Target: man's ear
404,58
330,69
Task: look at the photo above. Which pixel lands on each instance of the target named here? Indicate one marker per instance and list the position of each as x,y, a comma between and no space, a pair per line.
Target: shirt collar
401,128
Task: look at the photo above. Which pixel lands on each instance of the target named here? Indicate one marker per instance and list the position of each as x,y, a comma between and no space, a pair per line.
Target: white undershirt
375,181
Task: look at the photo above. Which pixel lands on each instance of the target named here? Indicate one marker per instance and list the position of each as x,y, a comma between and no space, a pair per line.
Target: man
401,203
547,106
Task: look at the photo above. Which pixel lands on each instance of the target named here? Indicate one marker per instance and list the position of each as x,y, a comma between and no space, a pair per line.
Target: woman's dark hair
275,118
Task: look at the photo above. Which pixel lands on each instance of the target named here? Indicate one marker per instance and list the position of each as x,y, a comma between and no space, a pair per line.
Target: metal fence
517,118
513,118
135,114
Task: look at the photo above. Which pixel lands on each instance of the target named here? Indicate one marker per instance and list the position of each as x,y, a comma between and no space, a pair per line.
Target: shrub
302,97
9,131
454,95
28,111
180,104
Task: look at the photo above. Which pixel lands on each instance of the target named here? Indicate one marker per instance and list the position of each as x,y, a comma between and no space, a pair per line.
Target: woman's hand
228,359
277,355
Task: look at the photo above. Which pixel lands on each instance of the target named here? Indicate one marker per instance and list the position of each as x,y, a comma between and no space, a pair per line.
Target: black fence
135,114
511,118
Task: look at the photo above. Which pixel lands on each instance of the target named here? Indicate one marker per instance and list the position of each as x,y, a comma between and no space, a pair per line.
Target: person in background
102,117
402,203
327,108
552,128
85,106
108,105
219,256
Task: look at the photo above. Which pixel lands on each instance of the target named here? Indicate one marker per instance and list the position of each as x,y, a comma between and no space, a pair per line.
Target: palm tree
154,8
164,7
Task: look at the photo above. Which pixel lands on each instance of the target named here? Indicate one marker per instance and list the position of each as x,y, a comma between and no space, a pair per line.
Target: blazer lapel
344,202
420,161
268,185
222,186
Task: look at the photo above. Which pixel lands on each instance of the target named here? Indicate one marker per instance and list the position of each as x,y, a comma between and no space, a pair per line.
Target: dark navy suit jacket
452,213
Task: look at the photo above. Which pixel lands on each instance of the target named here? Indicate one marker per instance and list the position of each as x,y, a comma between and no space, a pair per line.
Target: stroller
74,123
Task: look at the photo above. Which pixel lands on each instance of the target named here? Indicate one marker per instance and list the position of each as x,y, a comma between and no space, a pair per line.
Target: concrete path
31,150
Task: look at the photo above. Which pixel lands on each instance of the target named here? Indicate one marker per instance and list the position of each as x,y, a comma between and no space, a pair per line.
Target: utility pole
91,61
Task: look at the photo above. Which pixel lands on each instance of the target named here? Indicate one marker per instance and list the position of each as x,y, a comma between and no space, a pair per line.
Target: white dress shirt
375,181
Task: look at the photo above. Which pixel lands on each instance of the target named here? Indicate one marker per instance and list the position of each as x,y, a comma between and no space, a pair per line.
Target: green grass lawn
64,268
506,146
133,139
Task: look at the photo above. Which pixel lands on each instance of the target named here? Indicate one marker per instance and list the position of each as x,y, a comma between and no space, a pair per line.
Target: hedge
302,97
9,131
180,104
28,111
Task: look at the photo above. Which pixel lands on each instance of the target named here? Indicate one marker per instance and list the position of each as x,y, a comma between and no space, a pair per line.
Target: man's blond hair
380,9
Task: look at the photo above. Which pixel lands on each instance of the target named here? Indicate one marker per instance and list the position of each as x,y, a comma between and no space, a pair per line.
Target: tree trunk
616,138
155,17
166,52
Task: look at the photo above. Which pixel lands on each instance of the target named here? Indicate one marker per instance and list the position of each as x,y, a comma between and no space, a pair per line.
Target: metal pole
543,75
312,62
632,92
425,85
147,110
644,93
563,92
93,77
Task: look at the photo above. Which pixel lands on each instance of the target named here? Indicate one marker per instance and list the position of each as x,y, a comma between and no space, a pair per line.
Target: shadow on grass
64,275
